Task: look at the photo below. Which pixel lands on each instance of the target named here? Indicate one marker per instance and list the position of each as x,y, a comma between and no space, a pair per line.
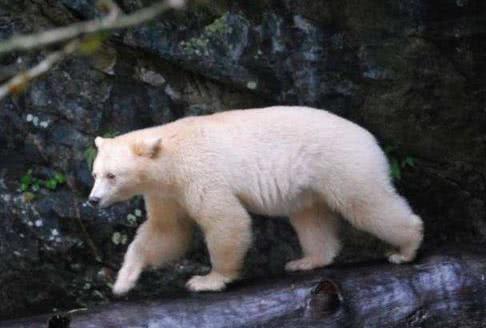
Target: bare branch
113,20
20,81
110,22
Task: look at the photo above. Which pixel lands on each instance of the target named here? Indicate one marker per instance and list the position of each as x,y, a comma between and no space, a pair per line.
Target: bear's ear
99,141
149,147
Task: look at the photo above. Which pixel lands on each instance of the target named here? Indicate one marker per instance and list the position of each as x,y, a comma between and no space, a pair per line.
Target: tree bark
445,289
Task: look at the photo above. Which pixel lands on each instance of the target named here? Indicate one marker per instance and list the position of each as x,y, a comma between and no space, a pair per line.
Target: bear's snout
94,201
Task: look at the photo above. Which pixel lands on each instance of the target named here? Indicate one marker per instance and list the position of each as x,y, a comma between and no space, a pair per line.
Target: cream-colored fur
307,164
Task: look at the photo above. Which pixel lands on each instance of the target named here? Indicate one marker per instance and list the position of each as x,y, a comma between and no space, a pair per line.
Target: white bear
304,163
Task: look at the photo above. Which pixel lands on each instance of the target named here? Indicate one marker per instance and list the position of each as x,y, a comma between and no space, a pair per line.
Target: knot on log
59,321
325,299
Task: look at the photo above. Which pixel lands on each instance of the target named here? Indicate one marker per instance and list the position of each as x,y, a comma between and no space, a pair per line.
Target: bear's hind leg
389,217
408,249
317,230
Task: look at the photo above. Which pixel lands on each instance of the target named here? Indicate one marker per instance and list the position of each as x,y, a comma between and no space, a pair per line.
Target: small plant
30,183
90,155
55,181
398,163
90,151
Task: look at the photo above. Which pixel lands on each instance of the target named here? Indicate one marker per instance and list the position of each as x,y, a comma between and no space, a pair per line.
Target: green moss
218,26
199,45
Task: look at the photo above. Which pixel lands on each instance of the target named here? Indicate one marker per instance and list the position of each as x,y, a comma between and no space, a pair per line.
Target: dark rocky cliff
411,71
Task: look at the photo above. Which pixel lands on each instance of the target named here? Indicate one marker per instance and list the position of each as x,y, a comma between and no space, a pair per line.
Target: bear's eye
94,175
110,176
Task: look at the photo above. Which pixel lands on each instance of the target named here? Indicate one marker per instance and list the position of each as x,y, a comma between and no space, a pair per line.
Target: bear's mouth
99,203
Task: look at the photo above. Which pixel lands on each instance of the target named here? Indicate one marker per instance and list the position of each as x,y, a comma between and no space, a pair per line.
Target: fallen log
442,289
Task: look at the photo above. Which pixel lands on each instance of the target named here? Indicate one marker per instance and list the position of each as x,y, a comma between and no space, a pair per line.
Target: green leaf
35,186
59,178
26,179
89,156
395,171
24,187
50,184
408,161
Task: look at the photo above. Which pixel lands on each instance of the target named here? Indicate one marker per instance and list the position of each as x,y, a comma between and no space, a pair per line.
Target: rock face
412,72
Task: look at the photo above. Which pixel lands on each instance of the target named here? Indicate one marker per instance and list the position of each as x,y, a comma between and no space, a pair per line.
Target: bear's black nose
94,201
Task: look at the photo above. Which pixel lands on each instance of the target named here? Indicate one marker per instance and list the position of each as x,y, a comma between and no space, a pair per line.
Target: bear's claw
398,258
305,264
210,282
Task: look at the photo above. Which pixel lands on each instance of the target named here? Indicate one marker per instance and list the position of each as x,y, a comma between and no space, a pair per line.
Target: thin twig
19,81
109,23
112,21
89,241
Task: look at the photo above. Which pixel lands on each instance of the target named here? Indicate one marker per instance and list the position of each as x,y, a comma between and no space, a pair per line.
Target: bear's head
121,168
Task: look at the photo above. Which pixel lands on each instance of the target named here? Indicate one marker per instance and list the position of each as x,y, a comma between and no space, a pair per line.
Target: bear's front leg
132,267
227,229
164,237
